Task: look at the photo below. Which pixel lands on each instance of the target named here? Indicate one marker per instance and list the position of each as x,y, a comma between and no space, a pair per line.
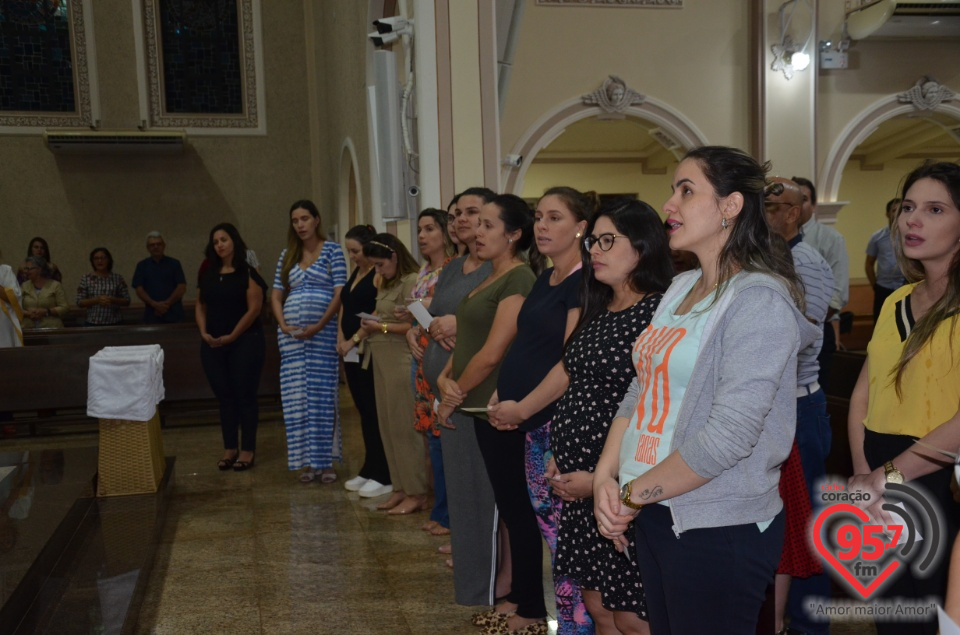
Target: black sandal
242,466
225,464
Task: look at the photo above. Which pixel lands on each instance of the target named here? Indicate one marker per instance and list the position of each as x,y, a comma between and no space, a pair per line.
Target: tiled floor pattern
259,552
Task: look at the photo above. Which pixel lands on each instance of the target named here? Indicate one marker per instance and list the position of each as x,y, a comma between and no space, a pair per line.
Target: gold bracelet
383,327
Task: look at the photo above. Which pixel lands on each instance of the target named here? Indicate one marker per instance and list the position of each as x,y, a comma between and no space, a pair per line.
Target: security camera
513,160
395,24
413,191
380,40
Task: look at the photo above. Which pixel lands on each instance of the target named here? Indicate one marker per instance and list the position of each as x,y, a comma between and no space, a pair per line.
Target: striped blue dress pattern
309,369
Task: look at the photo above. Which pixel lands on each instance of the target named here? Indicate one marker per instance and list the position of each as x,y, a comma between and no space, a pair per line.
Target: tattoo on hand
652,492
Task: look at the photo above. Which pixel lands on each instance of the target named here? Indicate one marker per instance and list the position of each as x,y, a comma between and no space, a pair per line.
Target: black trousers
360,382
878,449
504,458
710,580
234,375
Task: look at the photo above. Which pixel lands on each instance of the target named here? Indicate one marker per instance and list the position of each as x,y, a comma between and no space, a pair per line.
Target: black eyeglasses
604,240
774,205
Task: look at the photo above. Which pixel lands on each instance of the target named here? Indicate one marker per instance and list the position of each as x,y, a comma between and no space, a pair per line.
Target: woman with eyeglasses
699,437
44,302
627,267
39,248
531,380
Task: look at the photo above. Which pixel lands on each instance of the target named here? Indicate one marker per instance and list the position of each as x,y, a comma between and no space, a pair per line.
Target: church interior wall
81,202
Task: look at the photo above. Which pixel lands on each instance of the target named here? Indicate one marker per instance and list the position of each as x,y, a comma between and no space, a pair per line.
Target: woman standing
305,300
532,377
360,296
486,326
909,387
473,516
700,433
627,268
437,248
228,307
38,247
44,302
102,292
391,374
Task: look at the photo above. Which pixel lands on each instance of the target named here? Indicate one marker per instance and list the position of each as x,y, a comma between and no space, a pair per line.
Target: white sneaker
372,489
354,484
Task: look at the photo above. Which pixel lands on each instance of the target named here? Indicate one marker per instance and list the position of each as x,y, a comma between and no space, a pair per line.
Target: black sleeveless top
359,299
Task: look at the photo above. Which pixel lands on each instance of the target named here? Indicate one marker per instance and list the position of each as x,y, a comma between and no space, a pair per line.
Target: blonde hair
948,175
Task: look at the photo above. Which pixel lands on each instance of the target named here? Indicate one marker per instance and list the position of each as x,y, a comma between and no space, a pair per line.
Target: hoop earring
723,223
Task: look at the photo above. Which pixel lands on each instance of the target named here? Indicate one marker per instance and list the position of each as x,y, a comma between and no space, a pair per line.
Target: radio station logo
865,554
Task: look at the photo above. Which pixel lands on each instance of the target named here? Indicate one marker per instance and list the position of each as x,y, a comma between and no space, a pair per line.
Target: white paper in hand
367,316
420,313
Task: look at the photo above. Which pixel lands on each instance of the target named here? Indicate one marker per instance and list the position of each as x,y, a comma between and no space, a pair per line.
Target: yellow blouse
931,381
50,297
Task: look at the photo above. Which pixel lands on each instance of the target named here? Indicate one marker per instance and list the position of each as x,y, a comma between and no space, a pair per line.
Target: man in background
160,284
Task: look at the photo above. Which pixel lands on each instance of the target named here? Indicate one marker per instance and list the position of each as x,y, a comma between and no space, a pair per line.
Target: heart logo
828,555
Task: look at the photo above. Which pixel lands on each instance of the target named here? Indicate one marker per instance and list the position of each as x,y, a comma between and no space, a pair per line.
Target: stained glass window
200,43
36,57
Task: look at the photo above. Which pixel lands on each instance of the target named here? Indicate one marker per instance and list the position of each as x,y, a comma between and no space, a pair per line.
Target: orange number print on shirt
654,345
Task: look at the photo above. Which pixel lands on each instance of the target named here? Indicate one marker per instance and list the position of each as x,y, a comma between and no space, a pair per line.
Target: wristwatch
383,328
356,338
892,473
625,496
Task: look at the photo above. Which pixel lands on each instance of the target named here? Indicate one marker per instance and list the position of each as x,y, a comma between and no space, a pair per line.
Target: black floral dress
598,360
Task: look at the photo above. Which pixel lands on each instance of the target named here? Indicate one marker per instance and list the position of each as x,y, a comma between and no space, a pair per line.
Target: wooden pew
50,371
843,377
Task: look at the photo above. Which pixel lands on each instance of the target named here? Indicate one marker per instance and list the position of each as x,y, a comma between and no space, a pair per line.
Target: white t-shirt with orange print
664,356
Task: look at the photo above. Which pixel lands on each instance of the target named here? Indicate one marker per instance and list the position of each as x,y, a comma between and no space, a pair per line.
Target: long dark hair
439,217
948,175
583,205
294,244
749,247
239,248
46,248
385,246
642,226
517,216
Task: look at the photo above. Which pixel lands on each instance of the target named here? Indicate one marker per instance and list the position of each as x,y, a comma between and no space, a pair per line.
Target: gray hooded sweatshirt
738,417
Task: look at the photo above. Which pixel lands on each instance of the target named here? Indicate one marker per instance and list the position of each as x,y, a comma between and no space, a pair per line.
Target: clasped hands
570,486
613,517
451,396
216,342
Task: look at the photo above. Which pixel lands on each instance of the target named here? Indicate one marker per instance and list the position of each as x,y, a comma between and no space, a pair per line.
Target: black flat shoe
242,466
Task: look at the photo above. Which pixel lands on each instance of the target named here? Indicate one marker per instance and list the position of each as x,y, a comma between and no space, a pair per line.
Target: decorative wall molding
250,120
866,122
926,94
635,4
673,126
613,97
87,111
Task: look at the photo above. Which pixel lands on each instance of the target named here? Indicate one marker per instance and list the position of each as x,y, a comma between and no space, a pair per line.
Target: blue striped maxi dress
309,369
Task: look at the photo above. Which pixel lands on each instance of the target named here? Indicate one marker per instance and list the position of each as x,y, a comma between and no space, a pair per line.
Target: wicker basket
131,457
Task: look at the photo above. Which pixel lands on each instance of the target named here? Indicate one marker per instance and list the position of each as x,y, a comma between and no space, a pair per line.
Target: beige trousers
403,445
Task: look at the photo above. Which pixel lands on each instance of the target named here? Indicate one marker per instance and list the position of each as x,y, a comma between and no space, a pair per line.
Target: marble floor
259,552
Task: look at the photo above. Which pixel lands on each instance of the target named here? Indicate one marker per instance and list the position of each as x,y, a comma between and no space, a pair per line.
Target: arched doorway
667,127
